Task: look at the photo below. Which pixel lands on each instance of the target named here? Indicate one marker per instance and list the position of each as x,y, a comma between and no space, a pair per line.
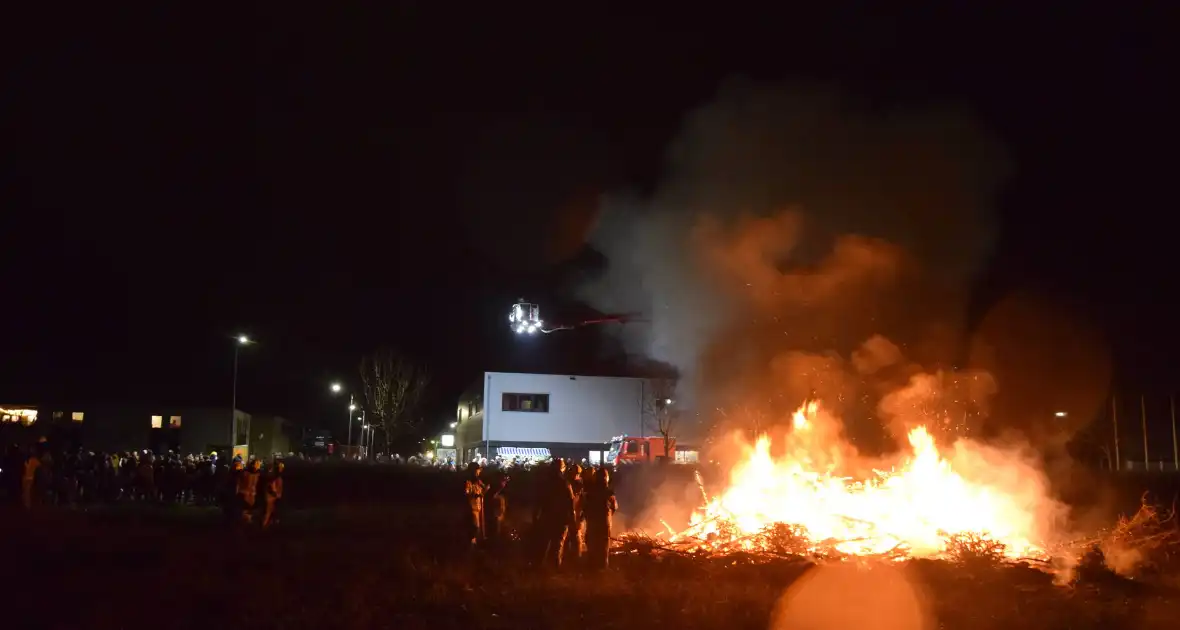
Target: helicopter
525,319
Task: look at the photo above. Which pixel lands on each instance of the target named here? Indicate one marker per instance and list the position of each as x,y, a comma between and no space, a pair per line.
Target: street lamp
364,444
336,389
242,340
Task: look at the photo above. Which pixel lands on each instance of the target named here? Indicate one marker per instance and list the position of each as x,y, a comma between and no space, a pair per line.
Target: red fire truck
628,449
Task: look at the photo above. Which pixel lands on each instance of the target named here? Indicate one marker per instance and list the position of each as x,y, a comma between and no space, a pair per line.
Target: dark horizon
362,187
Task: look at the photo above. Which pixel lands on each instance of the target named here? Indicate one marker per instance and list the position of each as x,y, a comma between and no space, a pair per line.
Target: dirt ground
404,566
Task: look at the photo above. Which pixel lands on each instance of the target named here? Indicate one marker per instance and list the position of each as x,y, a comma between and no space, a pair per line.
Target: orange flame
912,510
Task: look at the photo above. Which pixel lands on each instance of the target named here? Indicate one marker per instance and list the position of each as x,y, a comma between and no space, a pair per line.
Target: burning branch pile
928,506
965,508
1146,542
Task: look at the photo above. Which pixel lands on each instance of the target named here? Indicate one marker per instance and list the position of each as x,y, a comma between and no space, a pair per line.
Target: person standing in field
274,493
28,480
474,488
247,491
576,536
557,513
600,506
495,505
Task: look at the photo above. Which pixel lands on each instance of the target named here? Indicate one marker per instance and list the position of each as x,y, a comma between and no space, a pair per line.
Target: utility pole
1143,417
351,406
242,340
233,409
1114,414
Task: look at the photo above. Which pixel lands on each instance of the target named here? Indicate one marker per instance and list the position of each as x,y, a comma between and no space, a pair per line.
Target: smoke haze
793,224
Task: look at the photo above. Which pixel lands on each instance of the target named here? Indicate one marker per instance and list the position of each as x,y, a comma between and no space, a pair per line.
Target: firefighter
145,478
247,491
28,481
274,493
600,505
557,512
227,488
495,504
474,488
576,536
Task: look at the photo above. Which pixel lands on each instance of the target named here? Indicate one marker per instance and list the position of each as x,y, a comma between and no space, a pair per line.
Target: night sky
332,182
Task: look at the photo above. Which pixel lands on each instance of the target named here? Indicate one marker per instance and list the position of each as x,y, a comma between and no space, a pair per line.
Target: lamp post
369,439
336,389
241,340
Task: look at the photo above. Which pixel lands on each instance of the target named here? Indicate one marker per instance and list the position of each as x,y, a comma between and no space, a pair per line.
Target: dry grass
405,567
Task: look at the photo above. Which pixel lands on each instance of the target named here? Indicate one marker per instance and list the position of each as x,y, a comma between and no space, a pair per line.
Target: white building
562,415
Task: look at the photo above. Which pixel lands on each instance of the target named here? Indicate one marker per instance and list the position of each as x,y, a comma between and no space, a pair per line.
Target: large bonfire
797,502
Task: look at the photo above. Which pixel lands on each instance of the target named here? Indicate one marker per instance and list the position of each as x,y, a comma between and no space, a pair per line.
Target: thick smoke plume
794,224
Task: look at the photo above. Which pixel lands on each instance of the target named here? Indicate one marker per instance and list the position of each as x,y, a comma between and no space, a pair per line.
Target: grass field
400,563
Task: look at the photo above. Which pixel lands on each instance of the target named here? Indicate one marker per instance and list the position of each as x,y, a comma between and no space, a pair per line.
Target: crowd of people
572,516
574,504
38,476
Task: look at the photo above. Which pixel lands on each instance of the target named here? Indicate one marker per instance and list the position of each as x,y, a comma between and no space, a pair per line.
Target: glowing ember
914,510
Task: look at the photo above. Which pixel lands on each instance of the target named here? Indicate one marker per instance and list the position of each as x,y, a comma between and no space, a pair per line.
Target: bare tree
658,412
1094,443
394,388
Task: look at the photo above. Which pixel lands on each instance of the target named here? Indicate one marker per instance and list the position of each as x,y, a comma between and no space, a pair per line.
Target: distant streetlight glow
242,340
454,424
351,407
335,388
1061,414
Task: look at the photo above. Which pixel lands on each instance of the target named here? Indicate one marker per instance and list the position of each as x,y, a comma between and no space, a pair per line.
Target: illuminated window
157,422
77,416
18,416
174,422
538,403
58,415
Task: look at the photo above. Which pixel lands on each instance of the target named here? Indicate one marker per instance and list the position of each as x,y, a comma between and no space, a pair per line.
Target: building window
19,416
157,422
174,422
526,402
58,415
77,416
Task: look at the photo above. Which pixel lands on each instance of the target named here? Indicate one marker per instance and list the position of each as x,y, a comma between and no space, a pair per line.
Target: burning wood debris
963,506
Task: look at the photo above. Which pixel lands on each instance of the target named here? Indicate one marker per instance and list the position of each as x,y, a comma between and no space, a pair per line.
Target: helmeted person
576,533
495,505
145,478
225,480
247,491
556,513
28,480
474,489
274,493
599,506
